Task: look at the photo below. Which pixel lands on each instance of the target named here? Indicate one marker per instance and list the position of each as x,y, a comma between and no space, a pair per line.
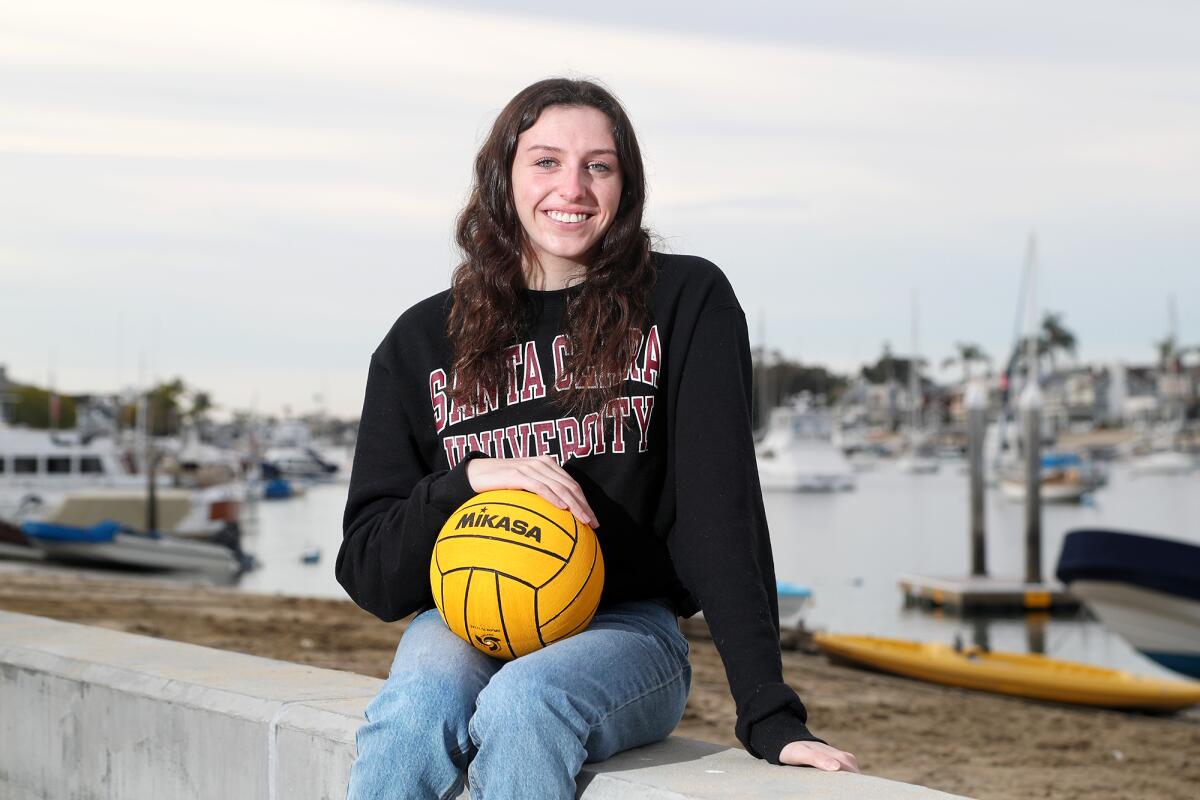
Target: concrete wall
91,713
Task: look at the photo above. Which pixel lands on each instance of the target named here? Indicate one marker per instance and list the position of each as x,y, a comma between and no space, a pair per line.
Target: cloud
243,168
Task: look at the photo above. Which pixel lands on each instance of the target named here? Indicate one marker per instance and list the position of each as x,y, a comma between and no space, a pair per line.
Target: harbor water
848,547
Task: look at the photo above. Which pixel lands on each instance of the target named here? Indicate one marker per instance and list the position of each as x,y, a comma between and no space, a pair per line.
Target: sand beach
984,746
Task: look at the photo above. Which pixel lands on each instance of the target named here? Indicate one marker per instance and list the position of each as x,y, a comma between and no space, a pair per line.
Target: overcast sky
246,194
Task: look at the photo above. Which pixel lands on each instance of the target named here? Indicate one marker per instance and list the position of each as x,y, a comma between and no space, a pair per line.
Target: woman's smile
567,218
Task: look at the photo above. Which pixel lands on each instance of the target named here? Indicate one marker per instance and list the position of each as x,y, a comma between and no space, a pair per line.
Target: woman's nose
573,185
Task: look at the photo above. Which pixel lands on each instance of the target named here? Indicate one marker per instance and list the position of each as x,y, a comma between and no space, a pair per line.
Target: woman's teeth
560,216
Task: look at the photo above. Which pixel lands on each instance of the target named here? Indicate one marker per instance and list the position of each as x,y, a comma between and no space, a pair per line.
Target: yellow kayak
1024,675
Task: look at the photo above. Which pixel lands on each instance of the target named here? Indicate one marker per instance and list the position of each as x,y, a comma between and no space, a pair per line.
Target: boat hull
779,478
1162,627
1050,493
1163,463
918,465
107,544
1144,588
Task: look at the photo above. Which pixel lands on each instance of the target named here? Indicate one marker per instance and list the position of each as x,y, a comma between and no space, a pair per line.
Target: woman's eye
544,162
599,165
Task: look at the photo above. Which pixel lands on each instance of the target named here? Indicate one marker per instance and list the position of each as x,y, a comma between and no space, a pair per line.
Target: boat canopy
1060,460
1151,562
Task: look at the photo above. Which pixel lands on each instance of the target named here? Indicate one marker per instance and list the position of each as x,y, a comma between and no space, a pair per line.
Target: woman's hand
821,756
541,475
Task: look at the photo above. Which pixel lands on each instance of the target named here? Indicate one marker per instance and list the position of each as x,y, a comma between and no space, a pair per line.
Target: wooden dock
982,595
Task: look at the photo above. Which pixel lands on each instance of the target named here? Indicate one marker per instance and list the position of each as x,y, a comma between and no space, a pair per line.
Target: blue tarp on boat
1061,460
1151,562
95,534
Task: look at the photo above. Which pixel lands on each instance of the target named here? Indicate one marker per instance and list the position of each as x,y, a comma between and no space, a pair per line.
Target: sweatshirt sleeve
720,543
395,508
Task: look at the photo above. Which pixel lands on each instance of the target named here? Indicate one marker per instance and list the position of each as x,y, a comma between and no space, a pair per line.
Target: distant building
8,395
1069,397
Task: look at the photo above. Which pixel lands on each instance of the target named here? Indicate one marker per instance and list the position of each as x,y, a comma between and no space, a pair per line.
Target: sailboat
1160,454
918,456
1063,477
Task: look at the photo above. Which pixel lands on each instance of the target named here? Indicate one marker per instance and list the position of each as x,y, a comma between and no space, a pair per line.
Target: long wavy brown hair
486,290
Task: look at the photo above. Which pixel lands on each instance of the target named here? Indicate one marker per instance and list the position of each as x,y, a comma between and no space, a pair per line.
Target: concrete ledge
92,713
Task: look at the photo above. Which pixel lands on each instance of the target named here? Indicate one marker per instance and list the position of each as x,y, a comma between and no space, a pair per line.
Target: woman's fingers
531,483
568,488
821,756
562,494
540,475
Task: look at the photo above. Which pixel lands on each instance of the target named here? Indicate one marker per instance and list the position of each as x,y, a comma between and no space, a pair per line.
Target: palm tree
1055,336
968,353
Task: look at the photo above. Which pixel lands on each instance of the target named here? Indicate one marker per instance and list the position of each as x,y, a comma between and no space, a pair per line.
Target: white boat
1053,491
919,457
916,462
293,453
1163,462
1153,622
303,463
916,465
794,601
108,543
36,461
1144,588
197,464
797,453
863,452
1066,478
864,462
196,513
110,527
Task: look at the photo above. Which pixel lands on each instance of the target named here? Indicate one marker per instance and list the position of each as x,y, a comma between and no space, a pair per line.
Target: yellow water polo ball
511,573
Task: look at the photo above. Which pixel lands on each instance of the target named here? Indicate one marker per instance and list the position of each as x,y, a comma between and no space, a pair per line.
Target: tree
968,353
891,368
779,378
1052,338
201,405
163,405
1055,337
32,408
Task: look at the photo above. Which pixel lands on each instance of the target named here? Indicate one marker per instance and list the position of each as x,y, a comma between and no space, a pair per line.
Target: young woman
569,360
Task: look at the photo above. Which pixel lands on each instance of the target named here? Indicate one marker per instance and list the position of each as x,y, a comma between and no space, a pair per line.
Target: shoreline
958,741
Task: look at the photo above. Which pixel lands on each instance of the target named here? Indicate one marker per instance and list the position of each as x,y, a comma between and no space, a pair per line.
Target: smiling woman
570,361
559,193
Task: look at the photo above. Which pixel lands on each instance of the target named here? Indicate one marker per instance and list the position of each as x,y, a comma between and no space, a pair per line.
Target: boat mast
1175,411
763,407
1031,424
914,382
1010,371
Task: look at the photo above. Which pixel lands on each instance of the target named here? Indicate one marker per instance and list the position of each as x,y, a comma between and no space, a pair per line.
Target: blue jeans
521,728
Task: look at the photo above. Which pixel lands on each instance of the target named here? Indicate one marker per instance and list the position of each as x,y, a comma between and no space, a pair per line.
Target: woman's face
566,183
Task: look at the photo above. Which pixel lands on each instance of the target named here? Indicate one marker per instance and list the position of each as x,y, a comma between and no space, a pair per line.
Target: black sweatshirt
671,475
